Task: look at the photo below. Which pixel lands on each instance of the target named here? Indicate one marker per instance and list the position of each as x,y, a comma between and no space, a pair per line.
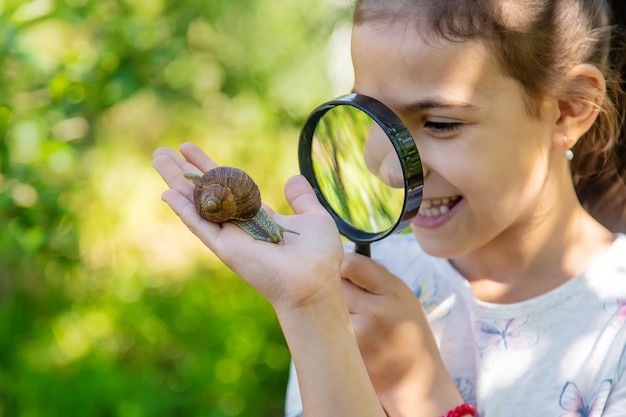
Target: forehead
393,63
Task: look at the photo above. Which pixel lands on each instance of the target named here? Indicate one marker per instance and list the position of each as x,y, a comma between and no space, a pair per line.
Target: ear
579,107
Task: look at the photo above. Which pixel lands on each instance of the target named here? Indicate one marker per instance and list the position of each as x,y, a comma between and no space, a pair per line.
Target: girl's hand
288,275
394,337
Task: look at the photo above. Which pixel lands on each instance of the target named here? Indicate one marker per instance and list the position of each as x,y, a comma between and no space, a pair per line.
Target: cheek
486,164
490,177
457,164
506,190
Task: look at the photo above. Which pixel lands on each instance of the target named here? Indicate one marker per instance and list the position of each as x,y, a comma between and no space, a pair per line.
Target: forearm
396,342
431,394
332,376
423,388
334,381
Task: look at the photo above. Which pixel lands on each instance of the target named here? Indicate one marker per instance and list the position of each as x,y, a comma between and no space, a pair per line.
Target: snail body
227,194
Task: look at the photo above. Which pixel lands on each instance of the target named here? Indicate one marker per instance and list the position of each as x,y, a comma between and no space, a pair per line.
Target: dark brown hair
537,42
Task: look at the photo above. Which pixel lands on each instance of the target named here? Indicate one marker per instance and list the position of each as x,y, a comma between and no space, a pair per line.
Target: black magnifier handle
363,249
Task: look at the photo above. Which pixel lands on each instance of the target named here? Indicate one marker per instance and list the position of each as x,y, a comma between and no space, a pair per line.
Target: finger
186,210
197,156
366,273
177,159
357,299
170,170
206,231
301,196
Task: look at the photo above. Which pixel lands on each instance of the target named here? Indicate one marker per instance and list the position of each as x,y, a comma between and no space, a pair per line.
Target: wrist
426,391
325,298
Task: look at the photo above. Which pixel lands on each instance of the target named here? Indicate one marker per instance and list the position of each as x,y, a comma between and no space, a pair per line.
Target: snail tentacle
192,176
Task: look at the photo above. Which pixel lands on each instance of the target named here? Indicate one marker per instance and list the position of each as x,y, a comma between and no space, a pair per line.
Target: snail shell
226,193
229,194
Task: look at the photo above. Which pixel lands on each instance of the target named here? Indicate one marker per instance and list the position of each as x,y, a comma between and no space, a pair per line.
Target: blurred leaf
108,305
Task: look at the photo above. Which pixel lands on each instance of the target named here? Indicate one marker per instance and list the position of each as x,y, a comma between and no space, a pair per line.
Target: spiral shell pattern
226,193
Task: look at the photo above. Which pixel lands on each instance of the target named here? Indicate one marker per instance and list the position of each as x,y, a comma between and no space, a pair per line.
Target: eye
441,127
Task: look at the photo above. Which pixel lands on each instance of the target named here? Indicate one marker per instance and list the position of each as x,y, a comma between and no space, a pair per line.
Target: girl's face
490,169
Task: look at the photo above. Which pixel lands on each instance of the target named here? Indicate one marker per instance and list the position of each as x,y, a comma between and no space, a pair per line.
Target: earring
569,154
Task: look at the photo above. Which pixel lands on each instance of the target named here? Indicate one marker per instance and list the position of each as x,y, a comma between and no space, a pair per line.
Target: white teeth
433,211
436,207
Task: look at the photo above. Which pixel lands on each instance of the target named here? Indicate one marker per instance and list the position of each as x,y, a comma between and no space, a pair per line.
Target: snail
225,194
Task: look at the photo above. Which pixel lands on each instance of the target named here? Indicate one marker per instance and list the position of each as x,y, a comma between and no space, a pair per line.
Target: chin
439,247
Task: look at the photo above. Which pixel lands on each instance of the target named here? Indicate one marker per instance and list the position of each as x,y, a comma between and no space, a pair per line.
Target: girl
515,257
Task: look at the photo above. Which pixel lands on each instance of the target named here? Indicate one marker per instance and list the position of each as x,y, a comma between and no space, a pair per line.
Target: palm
288,273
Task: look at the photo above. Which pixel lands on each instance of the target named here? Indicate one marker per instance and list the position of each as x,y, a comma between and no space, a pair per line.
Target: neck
531,259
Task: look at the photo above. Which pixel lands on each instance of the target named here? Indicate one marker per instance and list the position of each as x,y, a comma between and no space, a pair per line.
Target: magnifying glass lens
358,170
364,167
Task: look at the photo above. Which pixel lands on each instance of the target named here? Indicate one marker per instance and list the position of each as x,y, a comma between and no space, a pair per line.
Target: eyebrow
431,103
435,103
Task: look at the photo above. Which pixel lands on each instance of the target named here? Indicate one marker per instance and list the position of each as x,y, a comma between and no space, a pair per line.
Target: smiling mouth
437,206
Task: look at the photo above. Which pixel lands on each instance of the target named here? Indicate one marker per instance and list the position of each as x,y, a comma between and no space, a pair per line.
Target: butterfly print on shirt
577,405
497,336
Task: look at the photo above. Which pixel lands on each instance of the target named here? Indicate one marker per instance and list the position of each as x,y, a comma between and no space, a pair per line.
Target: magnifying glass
364,167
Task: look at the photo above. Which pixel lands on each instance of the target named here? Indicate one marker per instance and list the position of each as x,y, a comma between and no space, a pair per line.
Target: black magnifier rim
403,144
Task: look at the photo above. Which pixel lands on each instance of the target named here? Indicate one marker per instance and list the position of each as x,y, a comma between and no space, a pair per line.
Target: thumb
367,273
301,196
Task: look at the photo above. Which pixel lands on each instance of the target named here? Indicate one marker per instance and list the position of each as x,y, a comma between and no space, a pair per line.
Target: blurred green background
108,305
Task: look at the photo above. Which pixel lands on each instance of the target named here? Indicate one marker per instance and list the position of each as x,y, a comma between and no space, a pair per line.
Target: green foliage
108,306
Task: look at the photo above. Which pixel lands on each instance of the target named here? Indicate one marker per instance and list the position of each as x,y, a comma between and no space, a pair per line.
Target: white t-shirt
561,354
